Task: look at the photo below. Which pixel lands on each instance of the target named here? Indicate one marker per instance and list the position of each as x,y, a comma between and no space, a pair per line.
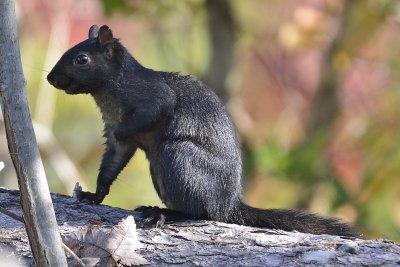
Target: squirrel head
89,65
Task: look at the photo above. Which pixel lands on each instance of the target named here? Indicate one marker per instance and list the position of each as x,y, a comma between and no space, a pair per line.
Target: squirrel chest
110,109
112,113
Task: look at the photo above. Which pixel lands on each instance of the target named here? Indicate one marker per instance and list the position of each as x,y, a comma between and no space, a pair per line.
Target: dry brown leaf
108,248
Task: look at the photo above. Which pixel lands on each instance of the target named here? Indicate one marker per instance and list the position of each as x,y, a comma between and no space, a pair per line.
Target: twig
66,248
12,215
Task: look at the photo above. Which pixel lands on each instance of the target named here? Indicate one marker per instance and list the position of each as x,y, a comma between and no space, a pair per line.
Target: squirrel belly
181,125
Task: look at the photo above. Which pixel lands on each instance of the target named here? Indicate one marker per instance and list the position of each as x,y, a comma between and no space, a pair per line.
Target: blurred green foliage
348,169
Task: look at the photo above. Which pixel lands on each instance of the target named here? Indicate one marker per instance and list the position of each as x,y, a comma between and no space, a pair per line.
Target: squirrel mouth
59,81
71,91
64,83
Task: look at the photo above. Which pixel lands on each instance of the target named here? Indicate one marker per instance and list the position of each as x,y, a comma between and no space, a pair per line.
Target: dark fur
183,128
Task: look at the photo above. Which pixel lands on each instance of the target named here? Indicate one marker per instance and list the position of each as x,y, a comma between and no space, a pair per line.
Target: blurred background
312,85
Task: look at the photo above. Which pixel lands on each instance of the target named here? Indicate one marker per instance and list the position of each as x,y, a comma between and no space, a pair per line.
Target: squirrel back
184,129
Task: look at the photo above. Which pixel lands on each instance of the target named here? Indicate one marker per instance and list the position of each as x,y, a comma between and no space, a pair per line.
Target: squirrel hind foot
151,217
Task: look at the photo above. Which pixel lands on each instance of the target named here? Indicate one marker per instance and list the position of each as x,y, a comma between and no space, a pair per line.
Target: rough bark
203,243
38,214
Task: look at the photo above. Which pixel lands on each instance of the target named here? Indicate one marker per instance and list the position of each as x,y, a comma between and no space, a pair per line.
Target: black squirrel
184,129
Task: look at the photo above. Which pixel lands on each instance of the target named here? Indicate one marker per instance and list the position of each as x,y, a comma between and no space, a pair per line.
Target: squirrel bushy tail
290,220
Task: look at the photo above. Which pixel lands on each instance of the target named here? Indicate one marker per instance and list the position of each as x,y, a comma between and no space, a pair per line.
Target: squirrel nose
51,79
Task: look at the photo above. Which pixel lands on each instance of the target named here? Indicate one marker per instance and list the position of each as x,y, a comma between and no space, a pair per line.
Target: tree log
202,243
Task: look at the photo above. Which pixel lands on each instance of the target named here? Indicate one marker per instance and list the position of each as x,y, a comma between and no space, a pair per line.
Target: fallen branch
202,243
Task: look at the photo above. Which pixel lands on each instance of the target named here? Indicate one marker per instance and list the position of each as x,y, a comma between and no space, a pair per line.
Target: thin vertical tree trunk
39,217
221,26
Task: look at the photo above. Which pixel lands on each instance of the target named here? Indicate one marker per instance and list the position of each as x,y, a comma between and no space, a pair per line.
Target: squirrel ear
93,32
105,35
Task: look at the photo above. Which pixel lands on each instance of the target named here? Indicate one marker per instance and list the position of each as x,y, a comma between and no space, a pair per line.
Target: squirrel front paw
94,198
89,197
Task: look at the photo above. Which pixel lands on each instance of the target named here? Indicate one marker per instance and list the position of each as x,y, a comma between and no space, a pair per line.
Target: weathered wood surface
203,243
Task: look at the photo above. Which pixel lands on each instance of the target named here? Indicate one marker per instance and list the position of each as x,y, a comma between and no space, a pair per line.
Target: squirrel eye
81,59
